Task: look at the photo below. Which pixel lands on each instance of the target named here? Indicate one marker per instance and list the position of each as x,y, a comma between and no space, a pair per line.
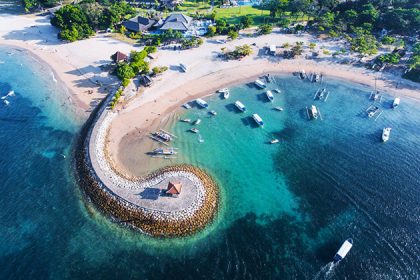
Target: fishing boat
183,67
313,112
164,151
278,108
316,78
260,84
302,74
200,102
212,112
258,119
276,90
241,107
343,251
396,102
269,95
375,95
385,134
162,136
11,93
194,130
274,141
186,106
197,122
186,120
225,92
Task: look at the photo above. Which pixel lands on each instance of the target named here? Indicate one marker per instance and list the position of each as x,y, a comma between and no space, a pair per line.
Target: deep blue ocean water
286,207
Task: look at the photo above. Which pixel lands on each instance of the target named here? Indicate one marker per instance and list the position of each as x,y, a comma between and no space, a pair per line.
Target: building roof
139,23
174,188
177,22
119,56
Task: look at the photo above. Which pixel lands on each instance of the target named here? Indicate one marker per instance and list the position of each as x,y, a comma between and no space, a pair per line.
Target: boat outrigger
321,94
197,122
200,102
278,108
258,119
269,95
385,134
186,106
213,113
194,130
260,84
343,251
313,112
373,111
186,120
241,107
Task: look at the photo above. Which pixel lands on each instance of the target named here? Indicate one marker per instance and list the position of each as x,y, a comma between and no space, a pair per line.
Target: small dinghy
343,251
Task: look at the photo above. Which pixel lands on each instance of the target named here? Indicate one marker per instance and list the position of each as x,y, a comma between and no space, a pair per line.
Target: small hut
174,189
119,56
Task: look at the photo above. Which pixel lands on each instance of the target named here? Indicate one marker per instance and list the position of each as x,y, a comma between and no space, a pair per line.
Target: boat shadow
249,121
263,97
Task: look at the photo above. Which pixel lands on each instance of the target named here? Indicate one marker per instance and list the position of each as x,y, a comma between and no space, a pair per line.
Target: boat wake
326,272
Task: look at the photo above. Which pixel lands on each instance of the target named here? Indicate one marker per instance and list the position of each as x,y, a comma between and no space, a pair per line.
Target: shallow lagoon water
286,207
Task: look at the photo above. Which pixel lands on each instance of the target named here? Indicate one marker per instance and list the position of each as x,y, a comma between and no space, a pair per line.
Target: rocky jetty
103,186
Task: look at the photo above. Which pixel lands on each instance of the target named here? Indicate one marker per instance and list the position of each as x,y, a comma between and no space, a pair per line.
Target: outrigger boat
321,94
274,141
186,120
260,84
372,111
194,130
162,136
241,107
313,112
343,251
258,119
225,92
396,102
385,134
197,122
302,74
164,151
212,112
269,95
278,108
316,78
200,102
375,95
276,90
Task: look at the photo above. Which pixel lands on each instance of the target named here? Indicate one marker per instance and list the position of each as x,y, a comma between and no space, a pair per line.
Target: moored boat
313,112
278,108
186,120
385,134
372,111
6,102
396,102
343,251
164,151
276,90
274,141
186,106
183,67
212,112
197,122
194,130
225,92
260,83
241,107
269,95
258,119
200,102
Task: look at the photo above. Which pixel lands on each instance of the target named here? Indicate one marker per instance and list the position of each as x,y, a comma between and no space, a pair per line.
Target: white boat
4,97
313,112
200,102
212,112
274,141
258,119
164,151
269,95
241,107
225,92
276,90
6,102
197,122
195,130
183,67
302,74
396,102
11,93
385,134
278,108
343,251
186,120
260,83
186,106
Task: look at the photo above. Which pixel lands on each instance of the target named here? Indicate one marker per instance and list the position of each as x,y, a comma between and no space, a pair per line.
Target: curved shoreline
153,221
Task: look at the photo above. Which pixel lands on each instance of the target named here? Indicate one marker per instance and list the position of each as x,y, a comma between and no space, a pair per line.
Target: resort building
174,189
139,24
177,22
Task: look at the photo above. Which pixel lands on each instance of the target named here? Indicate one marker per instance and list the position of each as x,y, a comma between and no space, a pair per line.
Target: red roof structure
119,56
174,188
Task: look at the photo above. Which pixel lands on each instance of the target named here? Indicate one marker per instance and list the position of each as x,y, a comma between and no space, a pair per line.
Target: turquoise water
286,207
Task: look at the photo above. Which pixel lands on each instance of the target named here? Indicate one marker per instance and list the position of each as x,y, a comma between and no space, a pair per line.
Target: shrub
233,34
326,52
125,82
265,29
158,70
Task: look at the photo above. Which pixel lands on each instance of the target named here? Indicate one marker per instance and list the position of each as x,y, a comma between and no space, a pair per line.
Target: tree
233,34
265,29
124,71
73,23
246,21
388,40
392,58
211,31
369,14
312,46
364,42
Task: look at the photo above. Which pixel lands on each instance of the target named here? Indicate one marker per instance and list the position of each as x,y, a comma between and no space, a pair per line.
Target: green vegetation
33,4
388,40
159,70
414,64
392,58
232,34
363,42
265,29
239,52
73,23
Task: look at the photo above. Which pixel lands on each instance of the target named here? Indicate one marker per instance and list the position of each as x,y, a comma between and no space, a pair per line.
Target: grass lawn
233,15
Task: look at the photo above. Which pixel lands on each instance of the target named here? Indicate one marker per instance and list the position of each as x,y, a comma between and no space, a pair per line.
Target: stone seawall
110,192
